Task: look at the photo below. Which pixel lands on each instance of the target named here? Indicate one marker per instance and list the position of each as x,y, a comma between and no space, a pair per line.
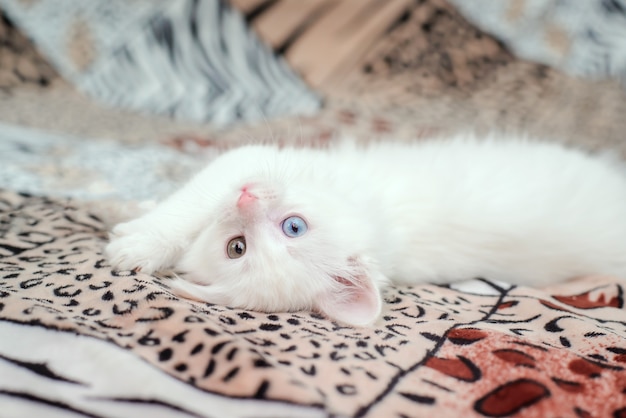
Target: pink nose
245,199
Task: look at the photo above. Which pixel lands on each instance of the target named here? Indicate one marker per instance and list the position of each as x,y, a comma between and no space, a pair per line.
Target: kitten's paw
136,245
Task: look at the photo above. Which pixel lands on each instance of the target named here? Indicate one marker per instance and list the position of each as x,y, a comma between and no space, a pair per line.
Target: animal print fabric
21,65
480,349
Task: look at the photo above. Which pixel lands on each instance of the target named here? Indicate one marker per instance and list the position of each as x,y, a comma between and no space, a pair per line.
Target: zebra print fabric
76,376
199,61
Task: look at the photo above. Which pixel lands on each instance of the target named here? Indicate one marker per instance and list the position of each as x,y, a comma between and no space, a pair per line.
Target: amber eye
236,247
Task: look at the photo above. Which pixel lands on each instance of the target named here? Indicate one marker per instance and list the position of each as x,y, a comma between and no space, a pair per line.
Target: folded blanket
481,348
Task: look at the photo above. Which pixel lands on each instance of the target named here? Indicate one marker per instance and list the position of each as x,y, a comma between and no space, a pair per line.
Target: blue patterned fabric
582,37
194,60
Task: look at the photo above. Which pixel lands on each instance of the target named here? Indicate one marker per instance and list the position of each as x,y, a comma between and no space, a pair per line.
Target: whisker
300,139
269,128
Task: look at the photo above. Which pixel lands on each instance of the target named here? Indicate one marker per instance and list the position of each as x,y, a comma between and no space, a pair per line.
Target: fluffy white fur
507,209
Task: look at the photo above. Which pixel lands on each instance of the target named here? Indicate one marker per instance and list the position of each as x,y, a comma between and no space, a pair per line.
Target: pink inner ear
357,302
344,282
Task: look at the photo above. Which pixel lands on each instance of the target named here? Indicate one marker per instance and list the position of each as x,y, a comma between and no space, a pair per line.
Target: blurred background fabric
399,67
582,37
188,59
195,76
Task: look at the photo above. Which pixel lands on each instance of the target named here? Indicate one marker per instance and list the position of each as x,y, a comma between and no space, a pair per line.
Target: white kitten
292,229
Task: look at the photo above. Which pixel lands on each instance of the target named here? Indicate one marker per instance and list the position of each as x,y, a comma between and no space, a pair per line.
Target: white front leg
156,240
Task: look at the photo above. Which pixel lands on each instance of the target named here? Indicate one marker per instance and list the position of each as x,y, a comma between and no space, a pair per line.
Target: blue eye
294,226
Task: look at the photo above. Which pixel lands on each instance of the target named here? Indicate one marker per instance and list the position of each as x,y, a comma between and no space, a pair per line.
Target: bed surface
78,339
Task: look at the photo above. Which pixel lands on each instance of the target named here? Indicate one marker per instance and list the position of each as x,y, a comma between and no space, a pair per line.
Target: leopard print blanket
78,339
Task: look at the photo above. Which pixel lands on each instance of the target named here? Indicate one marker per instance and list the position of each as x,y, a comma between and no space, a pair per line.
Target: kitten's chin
194,278
198,292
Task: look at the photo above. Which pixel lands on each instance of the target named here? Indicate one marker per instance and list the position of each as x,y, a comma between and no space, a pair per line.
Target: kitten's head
279,240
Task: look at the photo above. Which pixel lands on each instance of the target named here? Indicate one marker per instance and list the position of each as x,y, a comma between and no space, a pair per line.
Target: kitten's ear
356,300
